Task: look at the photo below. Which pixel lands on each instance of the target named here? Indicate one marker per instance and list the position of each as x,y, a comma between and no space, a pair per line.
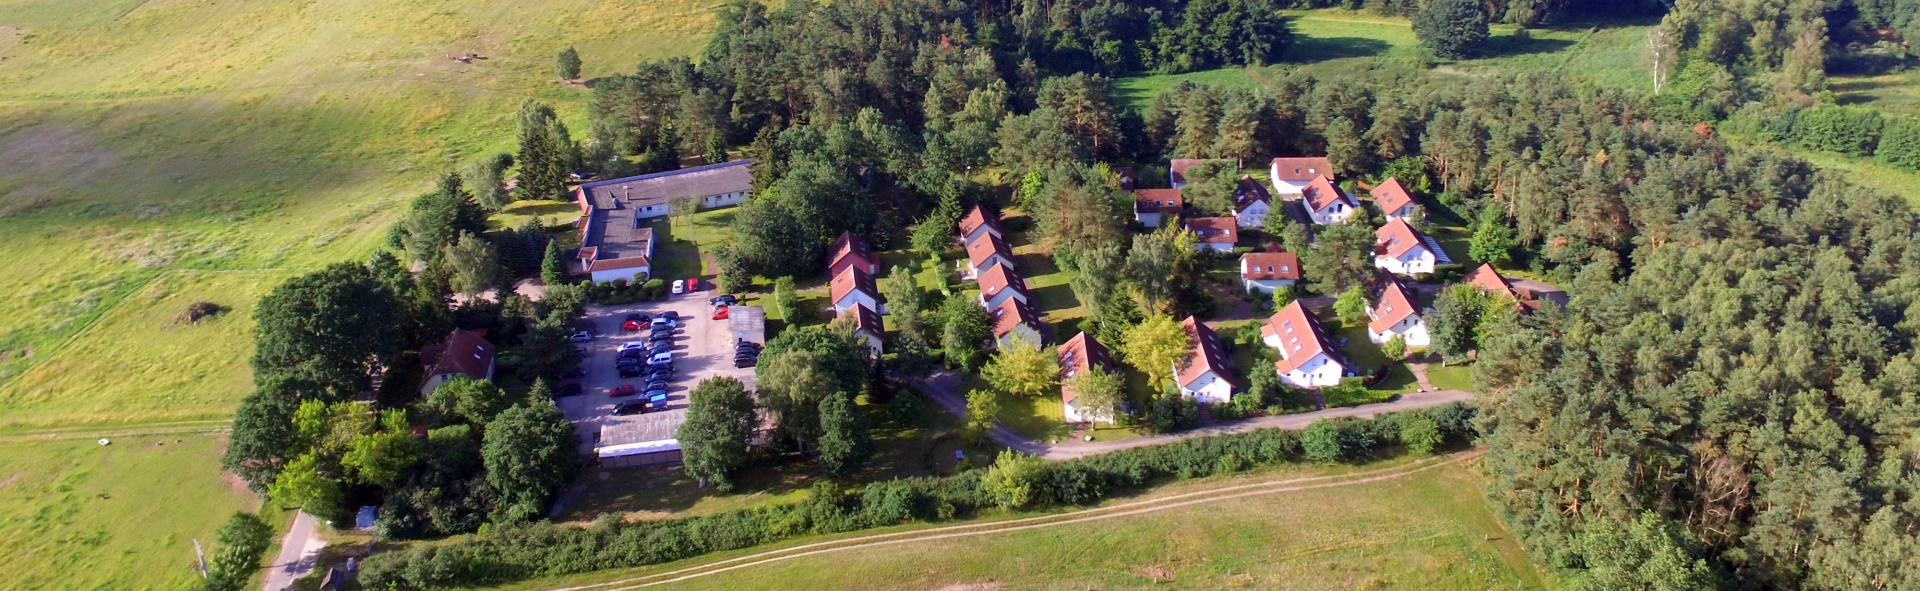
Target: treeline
1854,131
521,552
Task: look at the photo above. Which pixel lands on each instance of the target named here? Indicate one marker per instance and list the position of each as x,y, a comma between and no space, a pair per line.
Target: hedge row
519,552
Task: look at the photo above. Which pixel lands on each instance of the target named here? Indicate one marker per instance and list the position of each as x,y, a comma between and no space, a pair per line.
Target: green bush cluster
518,552
1831,128
619,291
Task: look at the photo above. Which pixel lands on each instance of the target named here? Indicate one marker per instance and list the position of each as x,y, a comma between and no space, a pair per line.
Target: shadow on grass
1312,49
1509,46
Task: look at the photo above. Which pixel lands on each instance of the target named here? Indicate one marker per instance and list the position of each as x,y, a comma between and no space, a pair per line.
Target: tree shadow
1310,49
1509,46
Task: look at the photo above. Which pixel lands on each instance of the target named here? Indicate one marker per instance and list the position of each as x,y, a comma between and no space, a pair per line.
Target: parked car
631,345
568,390
723,300
630,407
746,344
581,337
634,321
629,371
651,395
670,315
575,373
679,287
621,390
635,353
658,348
660,375
656,384
664,357
693,284
720,313
746,360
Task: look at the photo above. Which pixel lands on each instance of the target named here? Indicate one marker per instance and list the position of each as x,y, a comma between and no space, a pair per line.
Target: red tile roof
464,352
1300,335
1390,196
1207,354
1396,238
1489,280
1248,192
849,245
1264,266
865,320
1079,354
1215,230
1394,305
1177,168
984,247
1301,169
975,218
849,280
1013,313
1320,194
1158,200
1001,277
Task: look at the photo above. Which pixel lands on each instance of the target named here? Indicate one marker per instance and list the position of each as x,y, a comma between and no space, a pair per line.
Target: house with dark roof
1393,199
1014,317
853,286
1395,313
1402,250
1251,202
1204,373
1215,234
465,354
1125,175
1001,283
1308,358
866,326
1265,272
1152,206
1290,176
1079,355
850,250
614,241
983,253
978,222
1325,203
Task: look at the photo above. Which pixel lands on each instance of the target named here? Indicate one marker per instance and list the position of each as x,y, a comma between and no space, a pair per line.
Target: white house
984,252
978,222
1251,202
1402,250
1393,199
614,242
1078,355
1308,358
1325,203
619,252
1204,377
1215,234
853,286
465,354
1290,176
1393,314
1150,206
1265,272
1015,318
866,326
850,250
1001,283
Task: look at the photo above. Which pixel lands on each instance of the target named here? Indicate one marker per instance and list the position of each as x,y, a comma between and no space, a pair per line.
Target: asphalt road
298,551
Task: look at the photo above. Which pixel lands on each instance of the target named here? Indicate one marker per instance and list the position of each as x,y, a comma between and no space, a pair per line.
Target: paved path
298,551
943,388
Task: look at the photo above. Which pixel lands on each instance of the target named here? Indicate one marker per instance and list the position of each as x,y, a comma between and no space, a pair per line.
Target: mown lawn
1450,377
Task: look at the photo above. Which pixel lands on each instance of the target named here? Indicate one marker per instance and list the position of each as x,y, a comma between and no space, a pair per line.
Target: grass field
1426,531
78,515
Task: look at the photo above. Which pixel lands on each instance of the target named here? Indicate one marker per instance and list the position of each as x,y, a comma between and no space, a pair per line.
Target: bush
1900,143
236,552
1173,411
1838,129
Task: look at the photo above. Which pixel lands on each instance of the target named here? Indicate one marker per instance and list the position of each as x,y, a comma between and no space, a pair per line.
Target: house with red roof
1177,170
1325,203
1265,272
1308,358
853,286
1215,234
983,253
1251,202
1402,250
1490,281
1014,318
465,354
1001,283
1290,176
851,251
1204,374
1395,313
1151,206
1393,199
1079,355
978,222
866,326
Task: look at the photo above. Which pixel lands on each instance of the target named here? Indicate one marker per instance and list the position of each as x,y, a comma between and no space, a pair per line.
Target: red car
720,313
631,325
621,390
693,284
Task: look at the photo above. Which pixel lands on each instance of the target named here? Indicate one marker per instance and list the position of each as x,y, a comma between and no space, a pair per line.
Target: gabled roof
975,218
864,320
1296,170
1079,354
1395,304
1390,196
849,280
1264,266
1321,194
1157,200
464,352
849,245
1215,230
1489,280
1207,354
1177,169
1300,335
1012,313
1249,192
1396,238
984,247
1001,277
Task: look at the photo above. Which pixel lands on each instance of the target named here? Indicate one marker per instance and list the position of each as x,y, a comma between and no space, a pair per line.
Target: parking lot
702,348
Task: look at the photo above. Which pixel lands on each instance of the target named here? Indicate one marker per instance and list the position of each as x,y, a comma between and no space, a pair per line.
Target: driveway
703,348
298,552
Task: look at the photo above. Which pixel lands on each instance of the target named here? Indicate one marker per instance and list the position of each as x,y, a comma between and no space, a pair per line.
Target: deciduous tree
1021,367
719,429
1155,346
531,452
845,444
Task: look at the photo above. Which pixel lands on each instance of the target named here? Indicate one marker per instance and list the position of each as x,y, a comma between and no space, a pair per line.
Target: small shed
646,440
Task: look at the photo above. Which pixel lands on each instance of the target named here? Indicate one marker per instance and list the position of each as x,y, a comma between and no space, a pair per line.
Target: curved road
943,388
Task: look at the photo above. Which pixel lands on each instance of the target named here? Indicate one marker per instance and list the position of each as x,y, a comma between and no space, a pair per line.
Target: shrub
1838,129
1017,480
1900,143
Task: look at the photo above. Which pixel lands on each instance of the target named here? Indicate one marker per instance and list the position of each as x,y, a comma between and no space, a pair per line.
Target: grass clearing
1450,377
78,515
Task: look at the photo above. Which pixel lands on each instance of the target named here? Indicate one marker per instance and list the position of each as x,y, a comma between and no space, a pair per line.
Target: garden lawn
1450,377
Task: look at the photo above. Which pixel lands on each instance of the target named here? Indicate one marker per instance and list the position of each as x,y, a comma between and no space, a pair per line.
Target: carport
648,440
